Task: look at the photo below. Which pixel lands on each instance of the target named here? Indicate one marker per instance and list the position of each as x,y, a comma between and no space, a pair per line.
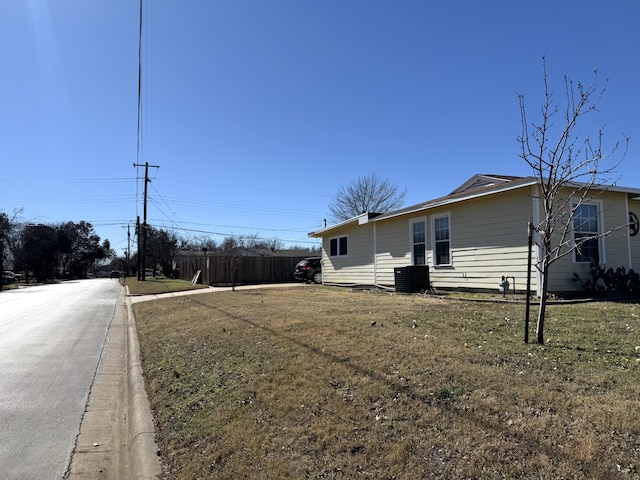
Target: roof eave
360,219
633,193
449,201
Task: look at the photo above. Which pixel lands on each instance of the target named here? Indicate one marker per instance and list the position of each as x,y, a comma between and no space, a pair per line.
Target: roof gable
483,181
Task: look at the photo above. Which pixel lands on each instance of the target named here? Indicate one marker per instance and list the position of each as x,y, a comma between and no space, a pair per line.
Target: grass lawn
327,383
153,285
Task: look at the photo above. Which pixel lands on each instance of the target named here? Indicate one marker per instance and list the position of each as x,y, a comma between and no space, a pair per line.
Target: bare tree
366,194
274,244
230,246
200,242
249,240
571,170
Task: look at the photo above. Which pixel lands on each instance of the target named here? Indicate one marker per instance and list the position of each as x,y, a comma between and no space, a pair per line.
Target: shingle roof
477,186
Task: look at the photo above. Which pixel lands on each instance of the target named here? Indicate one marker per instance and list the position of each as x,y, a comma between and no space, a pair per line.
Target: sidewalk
144,298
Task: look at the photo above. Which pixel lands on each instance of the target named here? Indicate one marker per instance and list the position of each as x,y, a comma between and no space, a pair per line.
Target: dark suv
309,270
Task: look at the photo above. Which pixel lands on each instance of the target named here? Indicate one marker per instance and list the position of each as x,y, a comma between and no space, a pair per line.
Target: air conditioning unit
412,278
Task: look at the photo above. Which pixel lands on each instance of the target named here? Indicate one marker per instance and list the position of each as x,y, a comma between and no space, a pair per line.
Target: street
51,339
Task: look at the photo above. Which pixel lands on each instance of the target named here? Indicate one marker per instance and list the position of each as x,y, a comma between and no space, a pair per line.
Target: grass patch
153,286
326,383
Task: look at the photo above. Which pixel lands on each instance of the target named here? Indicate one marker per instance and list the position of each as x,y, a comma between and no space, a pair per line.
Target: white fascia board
321,233
606,188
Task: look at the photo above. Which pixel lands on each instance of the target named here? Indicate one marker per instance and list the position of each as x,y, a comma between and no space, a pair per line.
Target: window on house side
338,246
442,241
342,246
419,236
586,233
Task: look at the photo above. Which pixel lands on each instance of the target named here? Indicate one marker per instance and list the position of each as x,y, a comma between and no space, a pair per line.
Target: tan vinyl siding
488,240
482,268
357,266
616,221
615,245
393,248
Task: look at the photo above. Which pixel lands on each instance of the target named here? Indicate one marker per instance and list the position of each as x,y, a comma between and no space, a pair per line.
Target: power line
242,187
139,134
224,235
240,207
59,180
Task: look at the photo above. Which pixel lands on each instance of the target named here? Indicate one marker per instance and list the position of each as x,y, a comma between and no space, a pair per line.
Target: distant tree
570,171
6,228
365,194
50,251
9,231
254,241
36,251
162,247
199,243
229,244
232,258
273,244
79,248
249,240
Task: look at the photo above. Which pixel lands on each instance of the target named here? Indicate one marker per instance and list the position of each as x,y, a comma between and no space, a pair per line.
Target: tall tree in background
79,248
202,242
36,251
162,247
51,251
229,247
6,227
9,232
571,170
365,194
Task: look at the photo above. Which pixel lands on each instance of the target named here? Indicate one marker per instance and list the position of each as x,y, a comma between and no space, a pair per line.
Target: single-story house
476,235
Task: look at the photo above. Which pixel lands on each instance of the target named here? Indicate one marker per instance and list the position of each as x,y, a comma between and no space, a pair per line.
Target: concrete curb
116,439
144,462
100,449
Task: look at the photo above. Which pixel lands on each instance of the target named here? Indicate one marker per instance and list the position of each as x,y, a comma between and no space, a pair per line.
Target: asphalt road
51,339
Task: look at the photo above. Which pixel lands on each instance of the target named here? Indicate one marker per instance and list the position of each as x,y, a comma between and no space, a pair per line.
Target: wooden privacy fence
225,270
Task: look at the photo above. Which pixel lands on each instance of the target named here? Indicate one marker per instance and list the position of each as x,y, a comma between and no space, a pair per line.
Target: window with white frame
338,246
419,242
586,233
441,240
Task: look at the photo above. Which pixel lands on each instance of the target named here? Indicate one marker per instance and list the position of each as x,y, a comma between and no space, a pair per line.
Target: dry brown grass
318,382
156,285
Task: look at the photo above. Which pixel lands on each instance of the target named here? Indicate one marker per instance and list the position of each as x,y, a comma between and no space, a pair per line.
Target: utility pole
143,253
128,250
139,275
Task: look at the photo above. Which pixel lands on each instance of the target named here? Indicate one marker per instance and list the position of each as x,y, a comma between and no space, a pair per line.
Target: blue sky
257,111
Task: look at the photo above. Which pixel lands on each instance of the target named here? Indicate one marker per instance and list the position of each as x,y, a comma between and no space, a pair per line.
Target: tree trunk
543,304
